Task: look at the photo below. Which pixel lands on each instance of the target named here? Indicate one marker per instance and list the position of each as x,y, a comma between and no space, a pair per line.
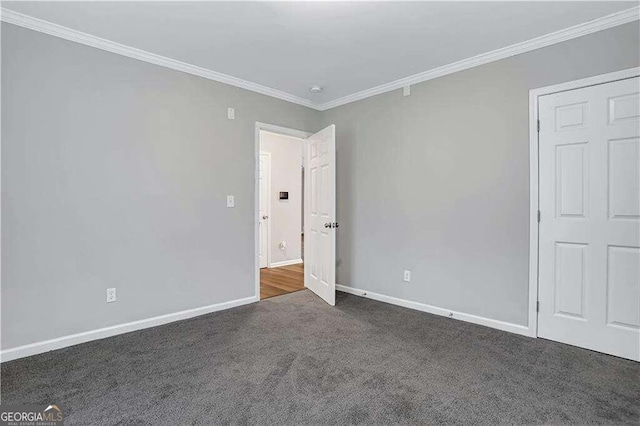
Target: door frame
534,165
259,126
268,210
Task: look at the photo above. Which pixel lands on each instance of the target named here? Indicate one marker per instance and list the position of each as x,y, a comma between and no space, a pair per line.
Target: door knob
265,217
327,225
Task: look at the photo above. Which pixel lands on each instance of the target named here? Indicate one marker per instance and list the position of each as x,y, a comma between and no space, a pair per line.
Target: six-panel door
589,276
320,212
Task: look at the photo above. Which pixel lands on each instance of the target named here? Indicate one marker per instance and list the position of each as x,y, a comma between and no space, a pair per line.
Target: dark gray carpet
294,360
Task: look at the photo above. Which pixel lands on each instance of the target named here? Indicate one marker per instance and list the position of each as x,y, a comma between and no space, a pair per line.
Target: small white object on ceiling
315,89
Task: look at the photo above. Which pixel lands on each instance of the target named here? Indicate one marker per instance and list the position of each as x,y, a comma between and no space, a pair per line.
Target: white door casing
320,214
264,209
589,232
258,129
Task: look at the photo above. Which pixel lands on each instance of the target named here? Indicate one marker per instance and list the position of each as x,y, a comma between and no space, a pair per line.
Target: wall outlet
231,201
406,90
231,113
111,295
407,276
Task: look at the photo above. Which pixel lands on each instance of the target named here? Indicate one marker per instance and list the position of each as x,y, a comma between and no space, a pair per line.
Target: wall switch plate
231,113
406,90
407,276
111,295
231,201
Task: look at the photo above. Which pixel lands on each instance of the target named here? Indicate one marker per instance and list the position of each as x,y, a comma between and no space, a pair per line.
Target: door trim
268,209
256,189
534,194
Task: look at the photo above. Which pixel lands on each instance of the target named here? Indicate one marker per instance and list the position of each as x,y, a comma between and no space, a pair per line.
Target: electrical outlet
231,113
407,275
231,201
111,295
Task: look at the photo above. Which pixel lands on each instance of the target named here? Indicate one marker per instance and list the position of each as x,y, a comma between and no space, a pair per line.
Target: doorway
280,214
588,219
295,210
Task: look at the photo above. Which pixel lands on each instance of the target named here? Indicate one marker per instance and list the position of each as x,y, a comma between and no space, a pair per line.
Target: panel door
589,277
320,214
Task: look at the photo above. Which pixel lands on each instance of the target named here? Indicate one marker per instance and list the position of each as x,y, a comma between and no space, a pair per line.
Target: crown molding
599,24
26,21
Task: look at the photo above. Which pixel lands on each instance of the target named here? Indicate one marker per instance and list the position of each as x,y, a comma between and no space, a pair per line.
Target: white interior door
589,277
320,214
264,206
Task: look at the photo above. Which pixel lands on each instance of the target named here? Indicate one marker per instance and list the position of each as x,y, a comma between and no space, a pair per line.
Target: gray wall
115,174
438,182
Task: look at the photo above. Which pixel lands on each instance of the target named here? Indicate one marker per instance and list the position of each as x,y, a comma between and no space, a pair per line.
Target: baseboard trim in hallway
285,263
101,333
475,319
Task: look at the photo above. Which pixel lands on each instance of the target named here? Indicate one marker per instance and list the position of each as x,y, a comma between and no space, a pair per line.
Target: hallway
282,280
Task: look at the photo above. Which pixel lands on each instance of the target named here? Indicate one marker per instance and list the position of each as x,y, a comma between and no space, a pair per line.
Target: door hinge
538,306
538,126
538,216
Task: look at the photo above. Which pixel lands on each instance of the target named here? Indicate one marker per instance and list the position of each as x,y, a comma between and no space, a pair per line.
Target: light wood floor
282,280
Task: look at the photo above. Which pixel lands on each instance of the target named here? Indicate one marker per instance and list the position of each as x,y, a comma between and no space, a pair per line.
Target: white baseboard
101,333
285,263
488,322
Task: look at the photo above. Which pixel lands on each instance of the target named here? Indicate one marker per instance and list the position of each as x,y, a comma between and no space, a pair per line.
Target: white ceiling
345,47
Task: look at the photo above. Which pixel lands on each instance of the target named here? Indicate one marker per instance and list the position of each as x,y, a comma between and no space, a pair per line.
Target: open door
320,214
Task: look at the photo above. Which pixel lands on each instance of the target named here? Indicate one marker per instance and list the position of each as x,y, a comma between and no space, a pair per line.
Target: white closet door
589,278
